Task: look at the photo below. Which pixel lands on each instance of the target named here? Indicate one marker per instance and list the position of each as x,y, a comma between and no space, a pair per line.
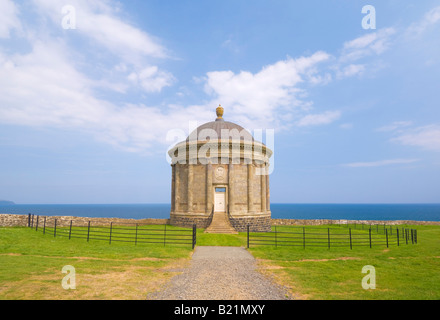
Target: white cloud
231,45
370,44
361,42
319,119
50,86
433,16
397,125
98,20
426,137
346,126
109,35
429,19
350,71
151,79
43,89
267,95
8,18
380,163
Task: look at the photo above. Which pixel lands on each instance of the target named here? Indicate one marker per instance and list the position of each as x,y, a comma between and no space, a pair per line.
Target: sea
417,212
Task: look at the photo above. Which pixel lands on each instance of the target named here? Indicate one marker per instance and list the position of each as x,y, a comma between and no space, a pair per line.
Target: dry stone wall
317,222
188,222
13,220
256,224
17,220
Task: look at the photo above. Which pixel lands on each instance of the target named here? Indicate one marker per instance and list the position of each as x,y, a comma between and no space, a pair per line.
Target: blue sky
90,90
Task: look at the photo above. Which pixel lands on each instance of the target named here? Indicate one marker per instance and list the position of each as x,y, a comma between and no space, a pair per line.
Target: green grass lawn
31,264
404,272
212,239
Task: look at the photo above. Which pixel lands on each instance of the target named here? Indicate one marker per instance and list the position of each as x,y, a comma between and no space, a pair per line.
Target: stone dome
220,130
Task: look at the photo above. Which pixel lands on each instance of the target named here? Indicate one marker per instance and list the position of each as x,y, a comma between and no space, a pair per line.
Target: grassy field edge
31,267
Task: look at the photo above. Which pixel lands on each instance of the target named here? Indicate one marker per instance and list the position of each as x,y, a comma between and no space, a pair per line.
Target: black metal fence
334,236
136,233
377,228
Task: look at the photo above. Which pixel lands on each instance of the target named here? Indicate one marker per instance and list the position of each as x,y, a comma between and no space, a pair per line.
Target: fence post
328,230
136,236
32,225
88,232
351,246
36,227
29,220
165,235
248,236
386,233
55,228
370,237
111,230
412,233
415,236
398,242
70,229
304,237
194,236
44,226
406,236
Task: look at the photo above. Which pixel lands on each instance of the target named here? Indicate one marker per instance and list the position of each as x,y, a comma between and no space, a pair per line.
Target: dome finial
219,112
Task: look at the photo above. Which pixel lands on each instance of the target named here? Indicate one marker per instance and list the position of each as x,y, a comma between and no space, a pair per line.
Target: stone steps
220,224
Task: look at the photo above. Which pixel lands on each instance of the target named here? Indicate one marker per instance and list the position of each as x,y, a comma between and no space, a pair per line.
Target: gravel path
221,273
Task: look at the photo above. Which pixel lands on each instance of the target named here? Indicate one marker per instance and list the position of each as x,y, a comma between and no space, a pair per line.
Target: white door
219,202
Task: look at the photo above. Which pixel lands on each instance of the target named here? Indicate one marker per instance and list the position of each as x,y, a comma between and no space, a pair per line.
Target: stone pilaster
267,191
209,194
190,187
177,188
173,188
250,198
263,193
231,197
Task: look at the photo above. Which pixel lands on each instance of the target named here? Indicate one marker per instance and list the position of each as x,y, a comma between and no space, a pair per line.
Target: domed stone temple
220,179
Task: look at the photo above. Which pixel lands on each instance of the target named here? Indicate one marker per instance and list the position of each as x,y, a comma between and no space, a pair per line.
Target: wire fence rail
333,237
136,233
